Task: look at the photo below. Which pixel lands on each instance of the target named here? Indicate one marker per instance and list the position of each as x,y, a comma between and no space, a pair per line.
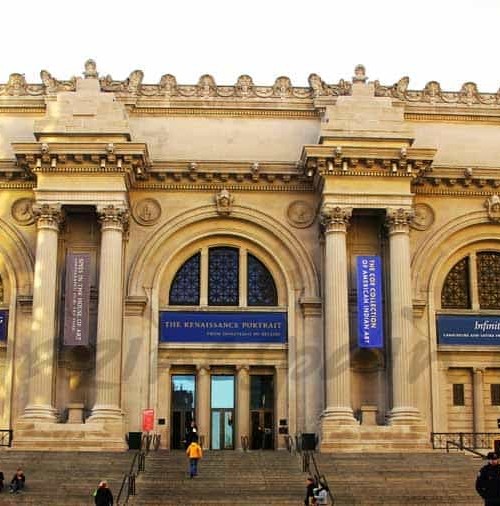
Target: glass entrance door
183,403
222,402
261,412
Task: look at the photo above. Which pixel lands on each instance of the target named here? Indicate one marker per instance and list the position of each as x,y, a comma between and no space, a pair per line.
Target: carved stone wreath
300,214
147,212
22,211
423,217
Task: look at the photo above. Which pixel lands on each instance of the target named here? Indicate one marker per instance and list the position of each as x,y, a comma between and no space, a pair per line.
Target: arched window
185,289
223,280
261,287
488,279
456,292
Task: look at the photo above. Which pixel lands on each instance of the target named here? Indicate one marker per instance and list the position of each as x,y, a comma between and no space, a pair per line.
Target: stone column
478,398
110,316
243,404
337,370
313,370
203,403
164,404
43,327
398,223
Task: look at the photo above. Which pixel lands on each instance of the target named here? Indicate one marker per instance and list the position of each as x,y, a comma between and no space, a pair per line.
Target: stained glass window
455,293
185,289
261,287
488,279
223,276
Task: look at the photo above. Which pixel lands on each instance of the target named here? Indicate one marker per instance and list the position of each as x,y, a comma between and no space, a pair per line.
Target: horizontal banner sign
369,283
197,327
483,330
4,319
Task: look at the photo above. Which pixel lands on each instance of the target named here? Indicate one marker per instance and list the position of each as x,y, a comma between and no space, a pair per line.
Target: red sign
148,420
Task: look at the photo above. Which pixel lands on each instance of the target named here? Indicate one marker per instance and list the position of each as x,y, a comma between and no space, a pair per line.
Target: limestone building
266,260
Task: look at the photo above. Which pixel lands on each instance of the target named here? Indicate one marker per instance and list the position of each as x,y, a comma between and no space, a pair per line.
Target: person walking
321,494
194,453
103,495
488,481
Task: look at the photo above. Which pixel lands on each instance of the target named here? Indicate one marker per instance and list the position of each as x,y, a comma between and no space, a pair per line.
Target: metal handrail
483,440
319,477
129,478
290,444
462,447
6,436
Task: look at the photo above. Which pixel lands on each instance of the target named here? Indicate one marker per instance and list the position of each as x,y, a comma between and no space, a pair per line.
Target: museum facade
263,260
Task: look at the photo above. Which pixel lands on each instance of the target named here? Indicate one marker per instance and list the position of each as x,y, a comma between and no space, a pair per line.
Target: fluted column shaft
203,403
42,342
478,399
403,410
337,369
243,406
110,316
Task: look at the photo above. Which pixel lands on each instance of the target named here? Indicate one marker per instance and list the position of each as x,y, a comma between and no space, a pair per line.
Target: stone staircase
225,477
57,478
410,479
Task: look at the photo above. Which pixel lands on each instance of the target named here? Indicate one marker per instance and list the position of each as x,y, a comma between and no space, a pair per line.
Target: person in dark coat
310,485
191,433
103,496
1,481
488,481
17,482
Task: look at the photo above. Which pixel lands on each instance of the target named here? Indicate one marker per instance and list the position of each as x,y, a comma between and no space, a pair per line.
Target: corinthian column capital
48,215
113,217
398,219
335,218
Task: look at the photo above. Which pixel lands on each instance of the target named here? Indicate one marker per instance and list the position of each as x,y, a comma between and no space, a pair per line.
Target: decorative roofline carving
245,88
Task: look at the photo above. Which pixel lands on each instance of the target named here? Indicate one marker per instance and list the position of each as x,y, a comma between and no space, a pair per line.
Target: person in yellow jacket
194,453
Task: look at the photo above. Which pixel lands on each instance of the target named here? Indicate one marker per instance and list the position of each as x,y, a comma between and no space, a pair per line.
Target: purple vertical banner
77,299
370,329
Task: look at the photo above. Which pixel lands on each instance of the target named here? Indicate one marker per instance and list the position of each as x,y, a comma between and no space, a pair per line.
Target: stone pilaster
313,370
110,316
42,343
243,404
337,370
478,398
281,401
398,224
203,403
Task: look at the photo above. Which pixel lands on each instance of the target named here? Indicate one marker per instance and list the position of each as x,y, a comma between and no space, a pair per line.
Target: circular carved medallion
147,212
22,211
300,214
423,218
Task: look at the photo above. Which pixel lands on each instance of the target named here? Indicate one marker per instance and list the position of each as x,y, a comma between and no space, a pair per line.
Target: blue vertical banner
369,281
4,318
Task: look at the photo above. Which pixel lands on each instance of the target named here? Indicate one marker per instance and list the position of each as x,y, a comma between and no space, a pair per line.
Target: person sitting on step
17,482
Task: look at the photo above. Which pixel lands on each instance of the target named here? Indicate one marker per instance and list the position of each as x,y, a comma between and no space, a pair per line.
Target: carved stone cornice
398,220
311,306
113,217
48,216
323,160
129,158
335,218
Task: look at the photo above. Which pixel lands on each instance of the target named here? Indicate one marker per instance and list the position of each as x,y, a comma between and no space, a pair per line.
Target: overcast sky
444,40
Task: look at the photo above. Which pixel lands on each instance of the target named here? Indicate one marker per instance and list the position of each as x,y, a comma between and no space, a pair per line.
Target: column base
40,412
339,415
105,413
46,436
404,416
